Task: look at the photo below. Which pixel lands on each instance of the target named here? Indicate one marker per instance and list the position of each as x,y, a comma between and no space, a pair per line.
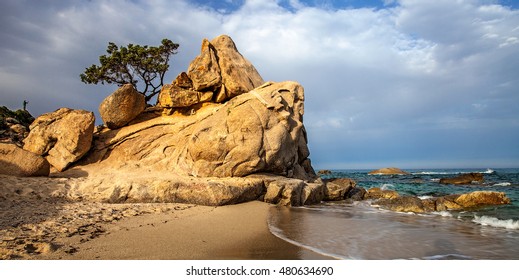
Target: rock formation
388,171
19,162
62,136
464,179
218,74
122,106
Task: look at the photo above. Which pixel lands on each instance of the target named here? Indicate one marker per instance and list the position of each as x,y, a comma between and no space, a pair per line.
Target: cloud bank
409,83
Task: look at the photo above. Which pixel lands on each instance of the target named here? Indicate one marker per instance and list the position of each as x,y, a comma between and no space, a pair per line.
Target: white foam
495,222
425,197
443,213
504,184
385,187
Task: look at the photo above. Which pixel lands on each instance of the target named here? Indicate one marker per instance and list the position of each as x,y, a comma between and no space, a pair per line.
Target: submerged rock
464,179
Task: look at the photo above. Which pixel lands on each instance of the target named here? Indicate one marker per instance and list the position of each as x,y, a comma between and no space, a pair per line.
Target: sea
361,230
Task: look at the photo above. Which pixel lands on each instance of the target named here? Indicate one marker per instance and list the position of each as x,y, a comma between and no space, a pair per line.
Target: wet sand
199,232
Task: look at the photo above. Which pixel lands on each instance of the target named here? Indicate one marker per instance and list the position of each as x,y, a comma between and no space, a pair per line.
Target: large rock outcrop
14,125
62,136
16,161
122,106
260,131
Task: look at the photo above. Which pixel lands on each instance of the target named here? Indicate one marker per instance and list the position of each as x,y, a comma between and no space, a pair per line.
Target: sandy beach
37,223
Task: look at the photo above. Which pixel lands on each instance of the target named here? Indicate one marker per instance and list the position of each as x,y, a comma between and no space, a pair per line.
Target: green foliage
131,64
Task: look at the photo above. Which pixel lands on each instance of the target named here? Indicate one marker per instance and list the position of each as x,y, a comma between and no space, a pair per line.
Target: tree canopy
131,64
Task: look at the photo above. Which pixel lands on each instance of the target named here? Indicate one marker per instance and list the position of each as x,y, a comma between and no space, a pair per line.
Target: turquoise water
361,231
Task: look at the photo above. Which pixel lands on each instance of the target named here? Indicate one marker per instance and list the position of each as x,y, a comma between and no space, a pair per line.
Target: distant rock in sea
464,179
388,171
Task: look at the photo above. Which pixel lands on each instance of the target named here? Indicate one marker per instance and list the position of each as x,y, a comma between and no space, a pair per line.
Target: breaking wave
495,222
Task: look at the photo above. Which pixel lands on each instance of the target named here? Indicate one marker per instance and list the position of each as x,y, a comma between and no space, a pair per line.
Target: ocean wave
504,184
488,171
385,187
495,222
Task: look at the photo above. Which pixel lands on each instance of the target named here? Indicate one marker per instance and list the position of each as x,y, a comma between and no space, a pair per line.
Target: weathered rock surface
19,162
260,131
388,171
403,204
464,179
218,74
62,136
377,193
122,106
338,189
482,198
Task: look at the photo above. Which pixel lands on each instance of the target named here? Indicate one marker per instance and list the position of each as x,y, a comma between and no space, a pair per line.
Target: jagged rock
204,71
16,161
255,132
122,106
464,179
218,74
482,198
238,74
62,136
388,171
403,204
337,189
377,193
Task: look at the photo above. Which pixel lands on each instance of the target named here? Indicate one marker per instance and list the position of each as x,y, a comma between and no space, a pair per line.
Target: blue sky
408,83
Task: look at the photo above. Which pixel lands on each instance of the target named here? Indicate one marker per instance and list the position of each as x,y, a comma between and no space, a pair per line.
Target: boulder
388,171
204,71
357,194
259,131
16,161
62,136
482,198
291,192
403,204
337,189
377,193
122,106
464,179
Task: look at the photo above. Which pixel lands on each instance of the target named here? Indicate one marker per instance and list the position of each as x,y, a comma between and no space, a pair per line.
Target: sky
405,83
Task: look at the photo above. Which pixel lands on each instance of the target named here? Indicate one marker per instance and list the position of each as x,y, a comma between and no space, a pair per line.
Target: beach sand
37,223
